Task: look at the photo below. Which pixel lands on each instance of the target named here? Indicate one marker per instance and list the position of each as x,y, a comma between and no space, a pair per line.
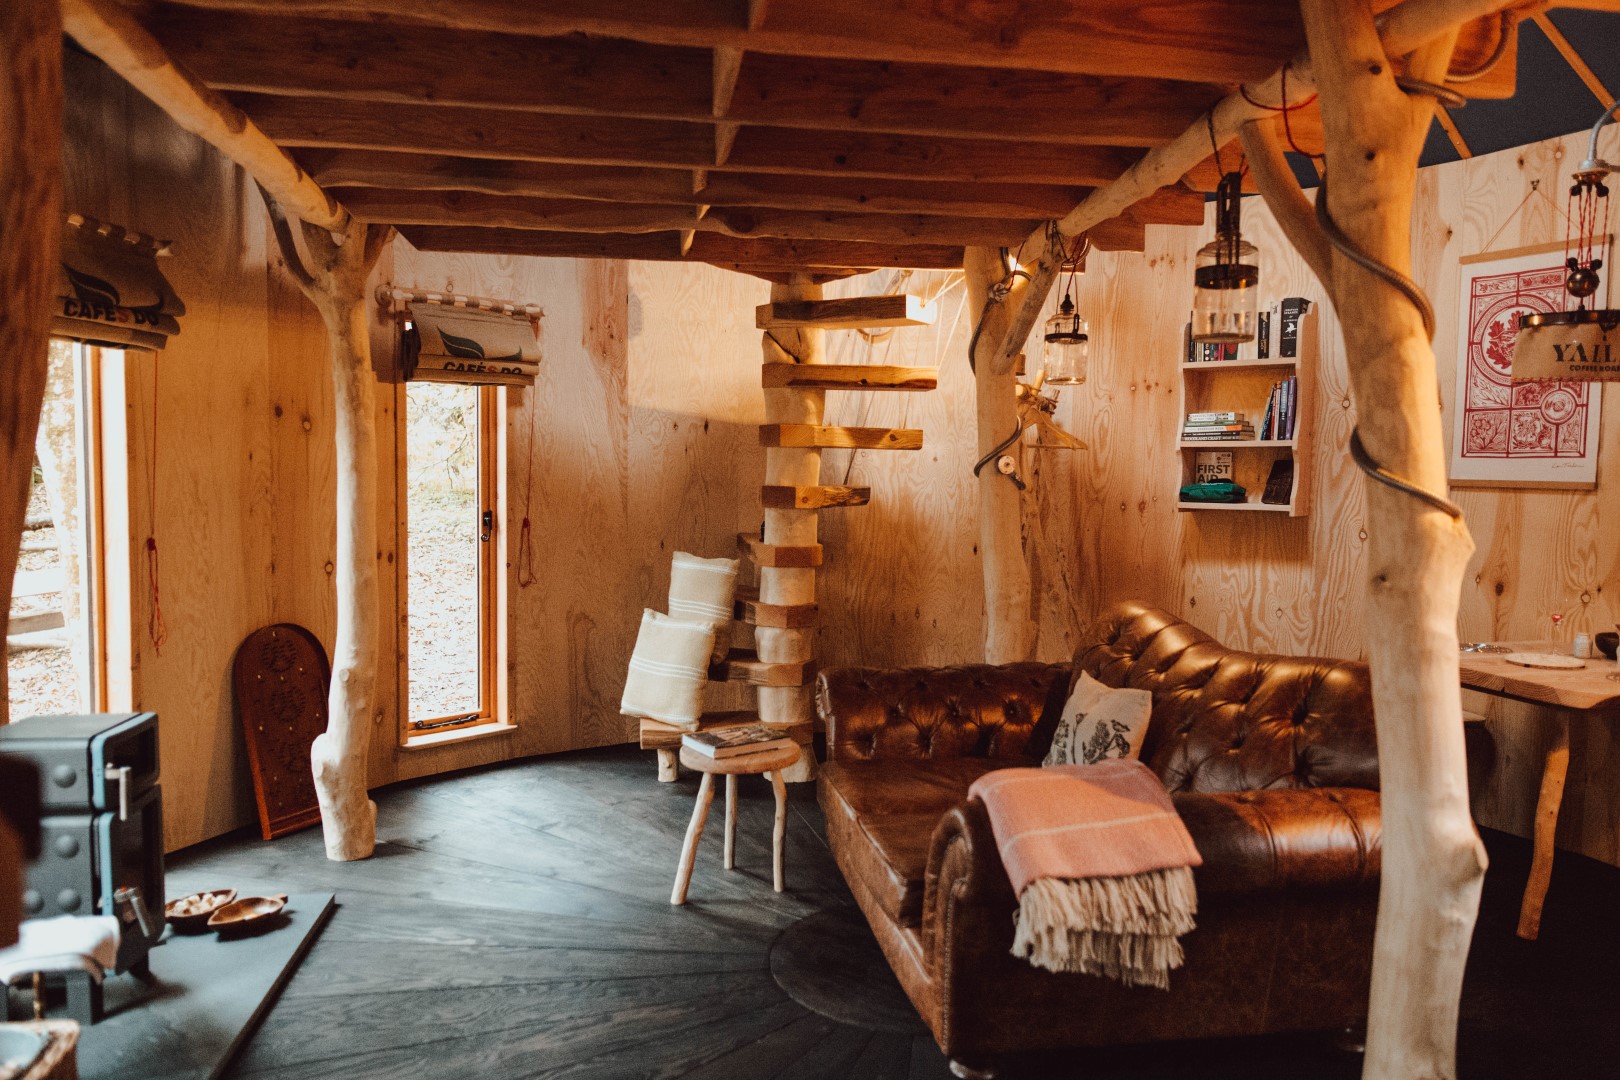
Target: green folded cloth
1219,491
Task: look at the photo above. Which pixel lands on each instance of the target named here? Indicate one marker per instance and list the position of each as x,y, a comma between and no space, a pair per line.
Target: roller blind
461,345
110,290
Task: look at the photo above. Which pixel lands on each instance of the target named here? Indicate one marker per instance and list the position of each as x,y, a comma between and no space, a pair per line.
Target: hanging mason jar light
1068,338
1226,275
1578,345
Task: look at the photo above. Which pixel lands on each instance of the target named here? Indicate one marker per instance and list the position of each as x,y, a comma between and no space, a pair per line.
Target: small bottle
1583,646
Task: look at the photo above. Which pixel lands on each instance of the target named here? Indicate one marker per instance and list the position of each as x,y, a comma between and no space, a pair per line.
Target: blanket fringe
1124,928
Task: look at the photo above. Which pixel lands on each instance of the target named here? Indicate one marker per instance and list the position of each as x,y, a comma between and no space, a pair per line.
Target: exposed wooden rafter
521,136
1211,41
1581,68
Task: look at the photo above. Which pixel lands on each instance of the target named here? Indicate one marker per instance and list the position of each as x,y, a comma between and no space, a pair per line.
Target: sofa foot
971,1072
1349,1040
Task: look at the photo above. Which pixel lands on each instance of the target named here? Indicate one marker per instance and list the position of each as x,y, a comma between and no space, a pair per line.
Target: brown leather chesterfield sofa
1271,762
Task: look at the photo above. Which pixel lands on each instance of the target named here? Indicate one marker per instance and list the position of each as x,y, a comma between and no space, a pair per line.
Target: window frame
492,715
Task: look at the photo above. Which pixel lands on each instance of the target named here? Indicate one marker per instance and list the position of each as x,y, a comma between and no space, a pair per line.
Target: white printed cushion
668,670
702,591
1100,722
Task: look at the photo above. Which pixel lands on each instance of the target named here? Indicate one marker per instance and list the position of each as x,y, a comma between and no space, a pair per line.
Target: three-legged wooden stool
771,763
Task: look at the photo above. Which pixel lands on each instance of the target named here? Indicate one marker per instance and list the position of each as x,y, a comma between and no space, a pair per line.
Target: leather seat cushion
881,817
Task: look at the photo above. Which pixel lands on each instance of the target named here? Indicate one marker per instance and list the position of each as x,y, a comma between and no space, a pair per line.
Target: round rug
830,964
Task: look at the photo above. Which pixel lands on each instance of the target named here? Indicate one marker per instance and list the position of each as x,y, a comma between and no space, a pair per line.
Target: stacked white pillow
670,664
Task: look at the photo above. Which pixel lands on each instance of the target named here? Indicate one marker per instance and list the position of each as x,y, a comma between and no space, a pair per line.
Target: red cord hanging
525,553
155,626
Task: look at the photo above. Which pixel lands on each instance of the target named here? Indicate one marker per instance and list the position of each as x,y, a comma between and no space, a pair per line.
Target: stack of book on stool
736,741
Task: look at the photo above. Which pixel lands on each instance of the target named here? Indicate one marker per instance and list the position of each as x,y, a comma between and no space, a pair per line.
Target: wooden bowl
1606,643
240,915
189,914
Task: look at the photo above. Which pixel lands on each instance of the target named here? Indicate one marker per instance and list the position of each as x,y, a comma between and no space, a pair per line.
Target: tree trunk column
797,467
1009,631
1417,553
31,222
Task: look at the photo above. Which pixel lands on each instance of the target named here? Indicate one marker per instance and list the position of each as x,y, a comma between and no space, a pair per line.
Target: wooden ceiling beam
768,254
1209,41
593,76
354,171
579,215
427,172
511,135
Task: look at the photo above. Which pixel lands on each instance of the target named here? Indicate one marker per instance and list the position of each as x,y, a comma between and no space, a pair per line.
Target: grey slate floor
515,923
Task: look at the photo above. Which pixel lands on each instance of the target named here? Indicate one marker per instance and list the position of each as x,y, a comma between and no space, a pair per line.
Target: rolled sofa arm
1284,838
977,710
1252,842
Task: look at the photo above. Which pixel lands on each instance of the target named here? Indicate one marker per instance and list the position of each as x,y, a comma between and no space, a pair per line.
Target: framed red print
1526,434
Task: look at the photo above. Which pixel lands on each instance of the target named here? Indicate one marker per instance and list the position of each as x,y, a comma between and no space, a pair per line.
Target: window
54,647
448,567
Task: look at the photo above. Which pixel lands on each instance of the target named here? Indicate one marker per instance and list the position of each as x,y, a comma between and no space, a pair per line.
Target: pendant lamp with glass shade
1582,344
1067,343
1226,275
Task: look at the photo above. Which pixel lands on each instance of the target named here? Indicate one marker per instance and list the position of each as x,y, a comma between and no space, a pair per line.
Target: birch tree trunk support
1009,631
336,285
31,223
798,467
1433,863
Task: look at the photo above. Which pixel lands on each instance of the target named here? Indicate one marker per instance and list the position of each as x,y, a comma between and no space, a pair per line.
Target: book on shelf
733,742
1212,466
1280,484
1218,436
1281,421
1214,418
1262,336
1191,425
1293,309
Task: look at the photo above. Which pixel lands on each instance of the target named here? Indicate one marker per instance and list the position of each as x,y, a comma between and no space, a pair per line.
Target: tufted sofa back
1235,721
922,713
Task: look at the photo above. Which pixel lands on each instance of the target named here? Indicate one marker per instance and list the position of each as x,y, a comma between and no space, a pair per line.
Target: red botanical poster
1529,434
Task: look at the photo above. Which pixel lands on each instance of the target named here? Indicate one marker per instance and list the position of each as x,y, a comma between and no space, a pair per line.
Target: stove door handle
121,774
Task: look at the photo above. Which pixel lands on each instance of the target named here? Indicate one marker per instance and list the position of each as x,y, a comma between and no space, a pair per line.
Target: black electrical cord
1408,288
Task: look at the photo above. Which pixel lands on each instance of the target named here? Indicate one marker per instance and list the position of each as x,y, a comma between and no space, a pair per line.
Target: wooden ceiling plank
592,76
579,215
1209,41
767,254
428,172
501,134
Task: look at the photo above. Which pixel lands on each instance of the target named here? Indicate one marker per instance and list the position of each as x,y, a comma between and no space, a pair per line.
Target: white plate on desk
1545,660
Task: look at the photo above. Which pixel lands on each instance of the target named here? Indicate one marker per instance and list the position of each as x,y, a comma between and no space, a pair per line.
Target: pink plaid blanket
1101,864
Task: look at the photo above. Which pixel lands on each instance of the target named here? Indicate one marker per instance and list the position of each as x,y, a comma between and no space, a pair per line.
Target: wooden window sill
434,739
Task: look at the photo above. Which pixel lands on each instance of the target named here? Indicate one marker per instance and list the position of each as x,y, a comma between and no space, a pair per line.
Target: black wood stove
102,829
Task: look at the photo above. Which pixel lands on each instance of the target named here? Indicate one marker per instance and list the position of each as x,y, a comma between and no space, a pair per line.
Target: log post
1009,629
1417,552
336,285
798,467
31,223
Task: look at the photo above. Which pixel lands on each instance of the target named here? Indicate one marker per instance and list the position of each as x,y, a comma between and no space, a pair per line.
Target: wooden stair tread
812,497
847,377
744,665
657,735
778,616
779,555
854,438
850,313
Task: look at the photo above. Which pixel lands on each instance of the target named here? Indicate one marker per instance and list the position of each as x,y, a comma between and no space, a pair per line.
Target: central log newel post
796,467
336,285
1417,544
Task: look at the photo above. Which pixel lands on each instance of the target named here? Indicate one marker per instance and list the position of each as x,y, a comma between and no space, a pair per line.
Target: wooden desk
1564,693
